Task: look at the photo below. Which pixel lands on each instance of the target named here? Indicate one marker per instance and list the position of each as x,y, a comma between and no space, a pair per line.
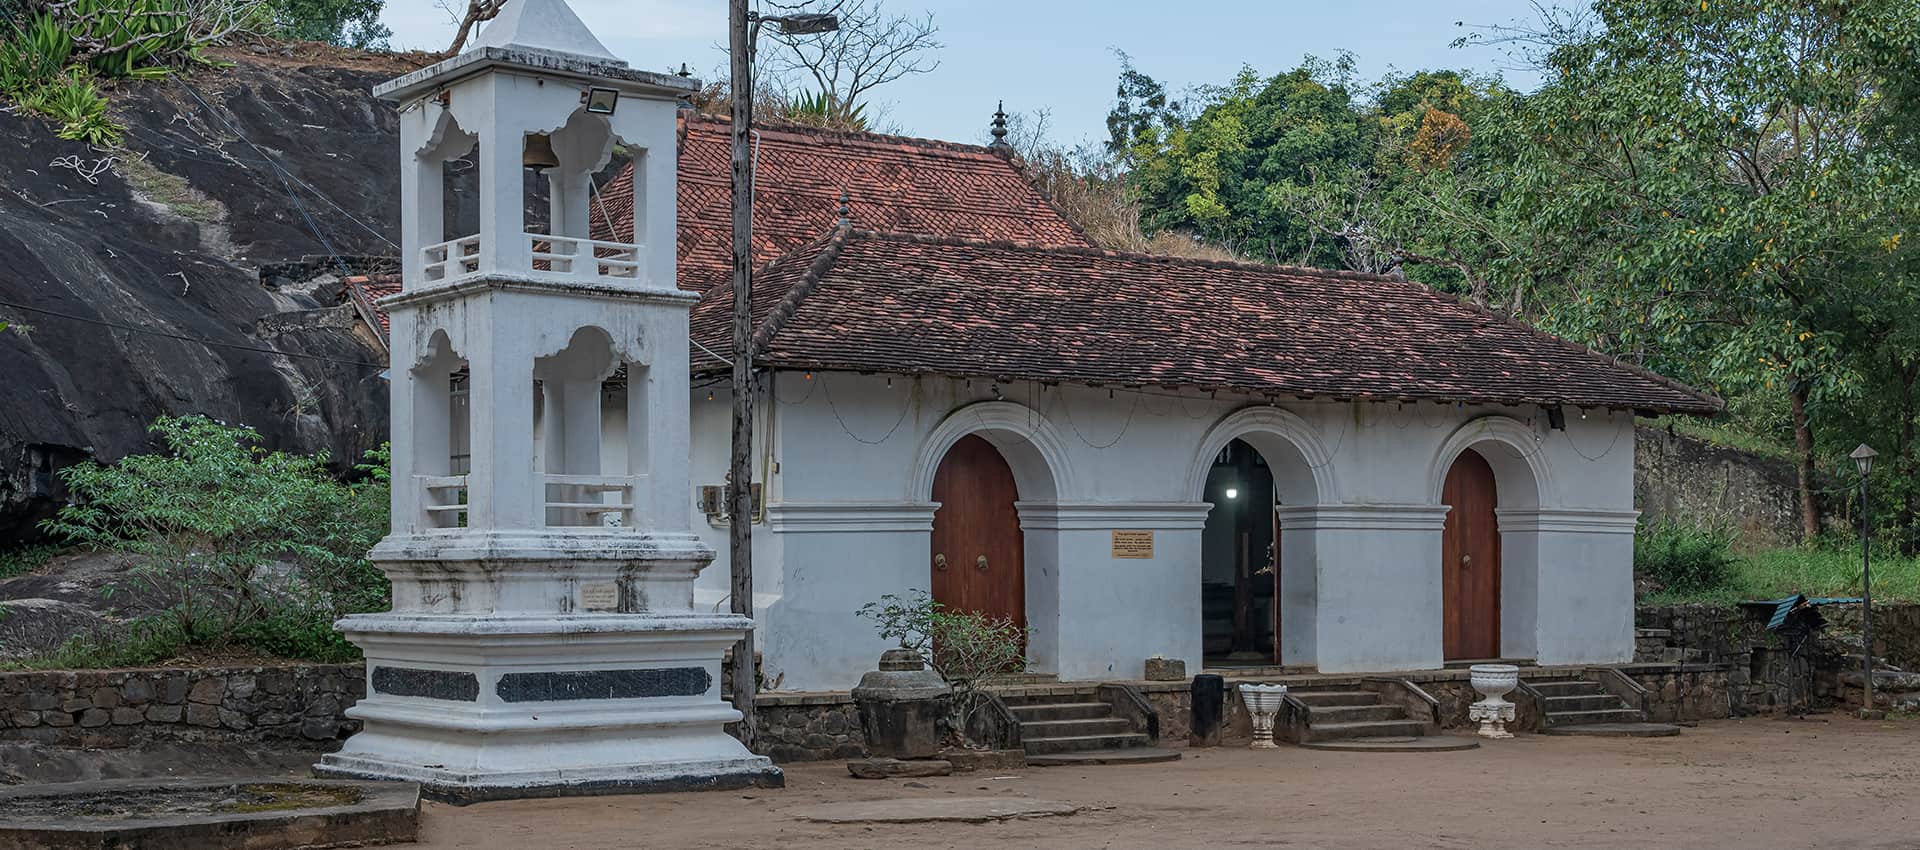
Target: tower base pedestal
479,708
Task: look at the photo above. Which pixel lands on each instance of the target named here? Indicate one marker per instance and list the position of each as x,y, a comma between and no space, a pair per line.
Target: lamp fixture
1233,492
601,101
806,24
1557,418
1863,459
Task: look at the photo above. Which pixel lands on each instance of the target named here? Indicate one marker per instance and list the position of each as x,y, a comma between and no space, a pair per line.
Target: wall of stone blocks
116,708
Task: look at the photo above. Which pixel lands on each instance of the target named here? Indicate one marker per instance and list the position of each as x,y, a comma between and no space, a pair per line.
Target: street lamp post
744,30
1863,460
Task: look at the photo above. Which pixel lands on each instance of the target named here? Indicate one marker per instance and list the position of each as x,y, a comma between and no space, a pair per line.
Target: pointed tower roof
542,37
549,25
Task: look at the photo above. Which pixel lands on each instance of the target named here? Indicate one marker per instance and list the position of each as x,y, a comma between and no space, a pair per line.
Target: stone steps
1316,699
1599,702
1583,706
1356,713
1081,743
1568,688
1317,732
1077,728
1048,729
1343,714
1621,714
1042,712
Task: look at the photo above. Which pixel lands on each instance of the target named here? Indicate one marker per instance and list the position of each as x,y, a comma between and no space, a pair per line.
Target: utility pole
740,476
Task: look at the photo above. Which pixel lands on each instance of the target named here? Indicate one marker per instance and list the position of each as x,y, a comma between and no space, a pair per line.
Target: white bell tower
542,638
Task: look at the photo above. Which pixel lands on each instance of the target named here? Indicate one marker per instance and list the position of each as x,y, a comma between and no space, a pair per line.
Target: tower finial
1000,128
846,212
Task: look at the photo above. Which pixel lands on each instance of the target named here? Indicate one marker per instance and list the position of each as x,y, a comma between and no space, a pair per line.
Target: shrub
82,110
264,549
964,647
1684,558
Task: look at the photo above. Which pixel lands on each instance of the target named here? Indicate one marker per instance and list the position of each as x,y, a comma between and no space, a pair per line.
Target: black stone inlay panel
604,684
432,684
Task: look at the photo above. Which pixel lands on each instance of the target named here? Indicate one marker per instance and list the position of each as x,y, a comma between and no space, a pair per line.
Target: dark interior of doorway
1238,575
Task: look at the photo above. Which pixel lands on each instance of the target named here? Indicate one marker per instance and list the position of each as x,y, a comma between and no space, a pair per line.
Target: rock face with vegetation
132,281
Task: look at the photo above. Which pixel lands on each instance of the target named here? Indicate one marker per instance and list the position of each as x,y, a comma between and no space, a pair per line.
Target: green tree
238,543
347,23
1230,172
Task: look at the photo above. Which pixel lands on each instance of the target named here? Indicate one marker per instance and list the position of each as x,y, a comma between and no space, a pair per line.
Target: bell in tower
543,639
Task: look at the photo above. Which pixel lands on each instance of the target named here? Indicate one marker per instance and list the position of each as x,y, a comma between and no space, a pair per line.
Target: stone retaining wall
1764,674
809,727
115,708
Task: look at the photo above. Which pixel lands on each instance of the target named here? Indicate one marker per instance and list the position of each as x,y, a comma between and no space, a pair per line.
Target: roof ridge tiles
824,257
761,125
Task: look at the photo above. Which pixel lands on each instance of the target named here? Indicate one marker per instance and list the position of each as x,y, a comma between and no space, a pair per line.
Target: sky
1059,55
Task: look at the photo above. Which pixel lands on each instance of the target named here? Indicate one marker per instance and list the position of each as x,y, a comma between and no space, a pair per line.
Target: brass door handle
940,562
980,563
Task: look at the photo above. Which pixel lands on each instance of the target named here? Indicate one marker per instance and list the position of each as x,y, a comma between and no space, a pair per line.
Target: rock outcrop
132,280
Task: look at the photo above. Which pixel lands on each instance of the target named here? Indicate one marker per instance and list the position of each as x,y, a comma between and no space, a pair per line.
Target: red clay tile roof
893,183
365,291
864,301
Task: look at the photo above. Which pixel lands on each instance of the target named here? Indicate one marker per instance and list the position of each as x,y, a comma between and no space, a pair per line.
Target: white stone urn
1493,712
1263,702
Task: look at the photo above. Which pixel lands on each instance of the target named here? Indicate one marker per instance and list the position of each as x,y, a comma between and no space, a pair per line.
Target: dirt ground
1758,783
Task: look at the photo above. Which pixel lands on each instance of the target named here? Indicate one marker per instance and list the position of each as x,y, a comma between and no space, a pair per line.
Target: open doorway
1239,573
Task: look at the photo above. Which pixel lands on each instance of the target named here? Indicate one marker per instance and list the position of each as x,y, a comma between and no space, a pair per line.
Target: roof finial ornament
846,212
1000,128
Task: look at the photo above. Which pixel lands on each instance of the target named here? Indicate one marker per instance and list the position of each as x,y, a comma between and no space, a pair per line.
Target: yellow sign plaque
1132,544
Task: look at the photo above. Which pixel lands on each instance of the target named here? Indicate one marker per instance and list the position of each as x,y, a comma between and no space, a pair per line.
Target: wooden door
1470,560
978,553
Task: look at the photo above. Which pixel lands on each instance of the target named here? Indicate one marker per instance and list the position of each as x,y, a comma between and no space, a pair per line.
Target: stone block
969,760
136,691
241,687
42,701
207,691
128,716
276,681
75,704
319,728
173,688
890,768
23,719
93,717
165,713
234,720
106,697
1166,669
199,714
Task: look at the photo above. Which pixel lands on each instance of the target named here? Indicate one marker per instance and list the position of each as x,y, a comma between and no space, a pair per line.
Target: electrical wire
192,339
285,184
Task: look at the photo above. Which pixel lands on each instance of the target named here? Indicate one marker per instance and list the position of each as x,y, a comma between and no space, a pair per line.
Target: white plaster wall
849,472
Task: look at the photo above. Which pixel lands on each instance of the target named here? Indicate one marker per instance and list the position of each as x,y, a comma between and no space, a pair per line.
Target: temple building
1224,463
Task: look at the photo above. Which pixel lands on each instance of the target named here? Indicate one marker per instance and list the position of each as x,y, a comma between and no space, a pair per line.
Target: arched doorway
978,560
1470,560
1239,575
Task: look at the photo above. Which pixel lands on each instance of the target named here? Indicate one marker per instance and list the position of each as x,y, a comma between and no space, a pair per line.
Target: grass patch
137,643
1728,434
26,559
1776,573
170,191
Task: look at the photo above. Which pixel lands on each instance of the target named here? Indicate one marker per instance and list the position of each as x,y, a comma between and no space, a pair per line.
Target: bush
50,58
243,546
1684,558
964,647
